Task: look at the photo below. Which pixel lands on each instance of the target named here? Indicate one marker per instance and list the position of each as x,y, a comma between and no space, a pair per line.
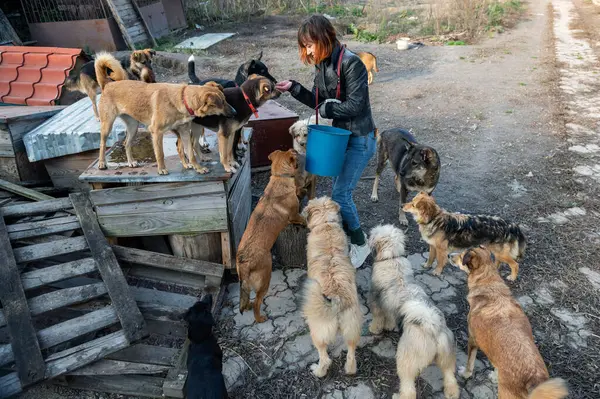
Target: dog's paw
451,391
187,166
462,371
163,172
261,319
350,368
133,164
403,220
101,165
375,329
437,272
201,169
319,371
511,278
97,119
425,265
374,198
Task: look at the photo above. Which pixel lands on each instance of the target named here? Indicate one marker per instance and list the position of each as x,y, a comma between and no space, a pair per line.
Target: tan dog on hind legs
277,207
394,298
330,298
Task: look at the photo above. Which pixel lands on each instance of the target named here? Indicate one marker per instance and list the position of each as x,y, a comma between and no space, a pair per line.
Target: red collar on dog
249,103
191,111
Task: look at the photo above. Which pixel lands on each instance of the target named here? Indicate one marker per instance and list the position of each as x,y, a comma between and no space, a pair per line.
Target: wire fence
37,11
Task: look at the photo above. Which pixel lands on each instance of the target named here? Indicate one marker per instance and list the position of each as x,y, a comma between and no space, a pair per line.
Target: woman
320,47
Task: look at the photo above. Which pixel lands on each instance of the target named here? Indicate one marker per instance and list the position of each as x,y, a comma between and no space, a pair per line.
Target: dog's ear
471,259
427,154
259,56
207,300
271,155
136,56
152,52
214,84
293,159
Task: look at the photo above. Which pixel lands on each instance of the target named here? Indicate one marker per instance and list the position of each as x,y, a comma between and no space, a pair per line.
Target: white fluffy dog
394,297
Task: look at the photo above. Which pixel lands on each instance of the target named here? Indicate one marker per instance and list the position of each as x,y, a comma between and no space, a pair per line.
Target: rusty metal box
270,132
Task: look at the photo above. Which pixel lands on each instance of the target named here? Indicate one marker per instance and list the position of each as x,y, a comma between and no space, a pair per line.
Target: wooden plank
164,223
185,265
175,329
151,192
131,319
67,330
141,17
60,298
167,204
226,249
130,43
175,383
118,367
25,348
149,354
34,208
9,385
163,298
194,281
23,191
63,271
49,249
42,227
139,385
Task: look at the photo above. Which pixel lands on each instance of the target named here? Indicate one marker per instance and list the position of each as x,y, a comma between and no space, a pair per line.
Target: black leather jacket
354,113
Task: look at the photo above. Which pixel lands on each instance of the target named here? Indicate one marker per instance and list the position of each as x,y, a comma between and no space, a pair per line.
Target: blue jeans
358,153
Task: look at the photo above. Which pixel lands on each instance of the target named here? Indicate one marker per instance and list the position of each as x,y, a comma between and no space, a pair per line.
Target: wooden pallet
45,343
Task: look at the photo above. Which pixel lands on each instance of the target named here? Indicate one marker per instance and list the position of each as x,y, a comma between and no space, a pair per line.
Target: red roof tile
34,75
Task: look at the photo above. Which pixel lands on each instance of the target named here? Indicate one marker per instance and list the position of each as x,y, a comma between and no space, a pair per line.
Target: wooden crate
270,132
45,342
65,171
15,122
189,207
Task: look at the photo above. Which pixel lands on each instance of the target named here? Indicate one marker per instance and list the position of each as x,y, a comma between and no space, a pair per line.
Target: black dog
254,66
205,358
417,167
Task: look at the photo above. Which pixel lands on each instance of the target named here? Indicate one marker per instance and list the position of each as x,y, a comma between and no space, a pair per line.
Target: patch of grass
455,43
508,111
337,10
522,84
462,58
363,35
498,13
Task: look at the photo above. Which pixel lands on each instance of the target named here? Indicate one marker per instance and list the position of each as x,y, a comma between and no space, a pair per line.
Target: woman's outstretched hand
284,85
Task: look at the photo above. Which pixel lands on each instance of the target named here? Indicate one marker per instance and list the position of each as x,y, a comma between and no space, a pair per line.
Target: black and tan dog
138,66
205,357
499,327
416,166
245,99
444,230
253,67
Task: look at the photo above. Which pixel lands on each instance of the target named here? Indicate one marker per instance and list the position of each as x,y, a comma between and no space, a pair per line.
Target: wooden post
290,246
121,24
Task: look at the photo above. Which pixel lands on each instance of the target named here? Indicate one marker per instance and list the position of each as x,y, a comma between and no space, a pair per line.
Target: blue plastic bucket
326,150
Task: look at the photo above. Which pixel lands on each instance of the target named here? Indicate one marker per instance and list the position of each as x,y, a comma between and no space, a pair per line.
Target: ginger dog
499,327
444,230
159,106
277,207
330,296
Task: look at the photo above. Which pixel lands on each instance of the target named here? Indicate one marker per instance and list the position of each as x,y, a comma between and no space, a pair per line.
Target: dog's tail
522,243
108,69
316,303
555,388
192,70
375,63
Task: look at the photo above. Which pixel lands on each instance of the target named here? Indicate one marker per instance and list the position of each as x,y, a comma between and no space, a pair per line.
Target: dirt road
516,121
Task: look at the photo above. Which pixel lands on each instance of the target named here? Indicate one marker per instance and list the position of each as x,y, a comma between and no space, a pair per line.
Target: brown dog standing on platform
277,207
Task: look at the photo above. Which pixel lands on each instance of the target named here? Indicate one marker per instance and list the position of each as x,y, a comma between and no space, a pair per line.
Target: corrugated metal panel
34,75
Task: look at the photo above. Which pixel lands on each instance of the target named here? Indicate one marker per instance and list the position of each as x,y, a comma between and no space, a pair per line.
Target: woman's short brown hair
318,30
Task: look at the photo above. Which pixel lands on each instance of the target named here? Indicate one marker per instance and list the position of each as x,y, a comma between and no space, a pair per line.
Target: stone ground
283,342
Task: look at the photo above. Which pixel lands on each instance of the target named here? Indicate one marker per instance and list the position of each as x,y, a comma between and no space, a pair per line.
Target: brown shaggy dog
330,296
277,207
499,327
443,230
159,106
